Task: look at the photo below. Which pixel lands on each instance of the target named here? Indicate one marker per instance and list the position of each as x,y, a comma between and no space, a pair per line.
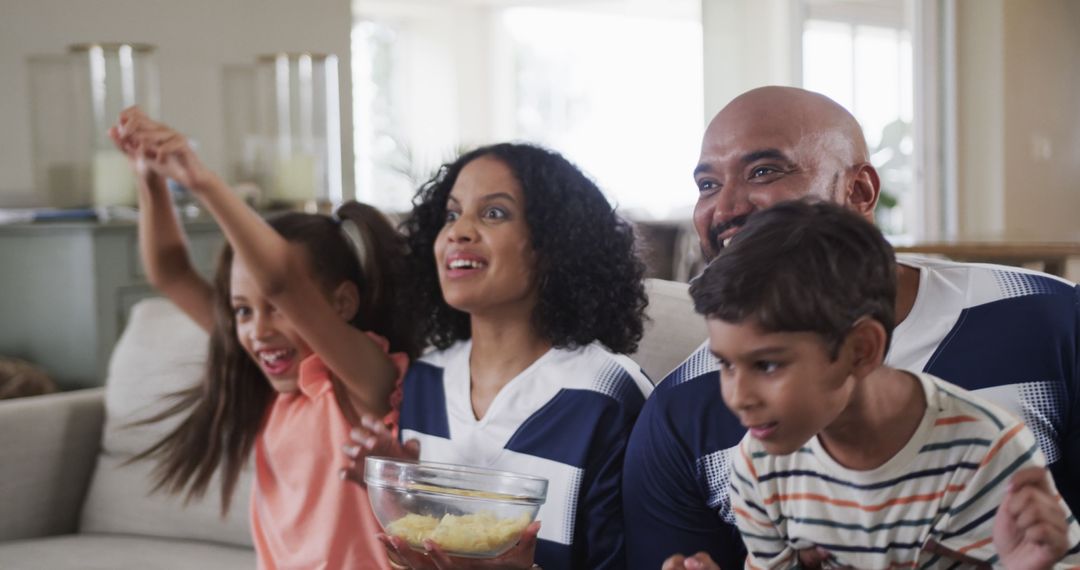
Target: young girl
528,284
291,365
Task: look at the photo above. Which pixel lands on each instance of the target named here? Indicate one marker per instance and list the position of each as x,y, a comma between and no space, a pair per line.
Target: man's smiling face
771,145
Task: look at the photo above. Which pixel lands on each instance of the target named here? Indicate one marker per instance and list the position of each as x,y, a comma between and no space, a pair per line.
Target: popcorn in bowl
468,511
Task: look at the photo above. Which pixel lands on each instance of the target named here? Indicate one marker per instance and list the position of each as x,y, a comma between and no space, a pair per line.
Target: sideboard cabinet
66,288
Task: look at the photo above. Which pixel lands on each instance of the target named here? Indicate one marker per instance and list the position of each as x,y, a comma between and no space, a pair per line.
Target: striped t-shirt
566,418
945,485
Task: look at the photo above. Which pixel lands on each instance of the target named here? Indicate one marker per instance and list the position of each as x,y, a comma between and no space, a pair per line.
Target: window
384,170
860,54
620,93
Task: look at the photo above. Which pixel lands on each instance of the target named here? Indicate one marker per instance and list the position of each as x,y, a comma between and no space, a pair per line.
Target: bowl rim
457,468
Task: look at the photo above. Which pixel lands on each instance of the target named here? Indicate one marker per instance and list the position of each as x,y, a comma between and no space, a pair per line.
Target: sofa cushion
160,352
673,331
109,552
48,449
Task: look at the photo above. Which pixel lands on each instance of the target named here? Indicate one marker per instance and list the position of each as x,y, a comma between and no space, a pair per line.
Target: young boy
848,462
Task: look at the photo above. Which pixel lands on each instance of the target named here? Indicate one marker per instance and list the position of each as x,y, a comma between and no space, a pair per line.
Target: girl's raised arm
162,245
281,270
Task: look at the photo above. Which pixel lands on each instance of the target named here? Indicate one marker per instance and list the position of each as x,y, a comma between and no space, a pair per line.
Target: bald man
1011,335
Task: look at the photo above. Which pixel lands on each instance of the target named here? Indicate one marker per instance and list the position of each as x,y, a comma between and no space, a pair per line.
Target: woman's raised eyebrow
486,198
497,196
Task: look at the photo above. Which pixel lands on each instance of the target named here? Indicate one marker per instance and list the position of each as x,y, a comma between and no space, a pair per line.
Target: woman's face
485,258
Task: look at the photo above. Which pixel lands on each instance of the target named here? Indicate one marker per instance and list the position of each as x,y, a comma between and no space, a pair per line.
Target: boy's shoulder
965,410
958,423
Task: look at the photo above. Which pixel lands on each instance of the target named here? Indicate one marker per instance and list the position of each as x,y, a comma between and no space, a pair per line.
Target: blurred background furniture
1051,256
67,289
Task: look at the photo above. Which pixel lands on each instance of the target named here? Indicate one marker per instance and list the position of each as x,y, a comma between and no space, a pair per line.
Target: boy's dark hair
225,412
588,269
802,266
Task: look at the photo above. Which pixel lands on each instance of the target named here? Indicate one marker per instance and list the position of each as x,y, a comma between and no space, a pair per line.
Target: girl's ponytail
380,250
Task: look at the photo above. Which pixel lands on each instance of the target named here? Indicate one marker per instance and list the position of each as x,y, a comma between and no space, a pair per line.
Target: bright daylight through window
620,94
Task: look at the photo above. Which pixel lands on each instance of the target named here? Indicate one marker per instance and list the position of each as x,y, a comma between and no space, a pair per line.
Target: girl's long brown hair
226,410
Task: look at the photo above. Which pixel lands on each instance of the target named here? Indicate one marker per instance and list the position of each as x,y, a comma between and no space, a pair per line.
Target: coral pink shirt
302,514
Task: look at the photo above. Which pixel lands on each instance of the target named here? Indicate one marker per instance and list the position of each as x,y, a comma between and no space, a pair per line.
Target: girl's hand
1030,528
155,148
374,439
137,164
517,558
699,561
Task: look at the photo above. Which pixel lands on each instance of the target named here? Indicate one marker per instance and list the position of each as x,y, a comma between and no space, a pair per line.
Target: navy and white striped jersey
1009,335
566,418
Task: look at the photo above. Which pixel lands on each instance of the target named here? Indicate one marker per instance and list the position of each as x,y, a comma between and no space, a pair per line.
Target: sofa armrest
48,448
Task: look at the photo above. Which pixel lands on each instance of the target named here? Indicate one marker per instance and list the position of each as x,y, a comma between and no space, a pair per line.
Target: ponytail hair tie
355,240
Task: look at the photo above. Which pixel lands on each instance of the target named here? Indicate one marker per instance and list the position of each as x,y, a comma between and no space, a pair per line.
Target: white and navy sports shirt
1009,335
566,418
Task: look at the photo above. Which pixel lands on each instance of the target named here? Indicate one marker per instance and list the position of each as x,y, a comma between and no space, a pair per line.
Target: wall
747,44
195,39
980,82
1042,118
1019,118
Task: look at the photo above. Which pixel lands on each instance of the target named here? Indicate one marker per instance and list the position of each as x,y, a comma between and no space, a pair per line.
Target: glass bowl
468,511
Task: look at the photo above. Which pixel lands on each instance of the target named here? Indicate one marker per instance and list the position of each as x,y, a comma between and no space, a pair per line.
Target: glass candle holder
299,124
76,98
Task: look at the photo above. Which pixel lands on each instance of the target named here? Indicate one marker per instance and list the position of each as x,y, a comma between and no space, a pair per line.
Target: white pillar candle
113,183
294,178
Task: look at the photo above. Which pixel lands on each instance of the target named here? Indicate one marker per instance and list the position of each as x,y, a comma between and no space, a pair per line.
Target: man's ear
864,191
867,341
346,299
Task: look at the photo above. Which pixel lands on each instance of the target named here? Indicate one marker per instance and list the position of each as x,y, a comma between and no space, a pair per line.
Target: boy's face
783,386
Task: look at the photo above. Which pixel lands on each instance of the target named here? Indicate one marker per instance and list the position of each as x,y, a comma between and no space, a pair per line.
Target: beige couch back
160,352
673,331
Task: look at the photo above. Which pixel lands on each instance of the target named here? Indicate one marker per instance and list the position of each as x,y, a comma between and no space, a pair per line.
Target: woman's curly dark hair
588,267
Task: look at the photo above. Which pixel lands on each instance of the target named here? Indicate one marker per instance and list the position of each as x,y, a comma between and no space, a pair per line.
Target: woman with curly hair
529,287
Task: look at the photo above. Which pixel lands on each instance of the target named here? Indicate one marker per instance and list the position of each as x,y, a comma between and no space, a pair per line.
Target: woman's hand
1030,528
433,558
156,149
699,561
372,438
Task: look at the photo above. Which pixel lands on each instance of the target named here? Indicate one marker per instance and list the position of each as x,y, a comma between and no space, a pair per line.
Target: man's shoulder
693,387
699,367
686,408
985,282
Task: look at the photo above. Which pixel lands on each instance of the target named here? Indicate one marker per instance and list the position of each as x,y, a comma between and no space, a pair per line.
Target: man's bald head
773,144
813,114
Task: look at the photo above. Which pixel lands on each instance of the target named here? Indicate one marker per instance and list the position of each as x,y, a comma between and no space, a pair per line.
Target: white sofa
67,500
